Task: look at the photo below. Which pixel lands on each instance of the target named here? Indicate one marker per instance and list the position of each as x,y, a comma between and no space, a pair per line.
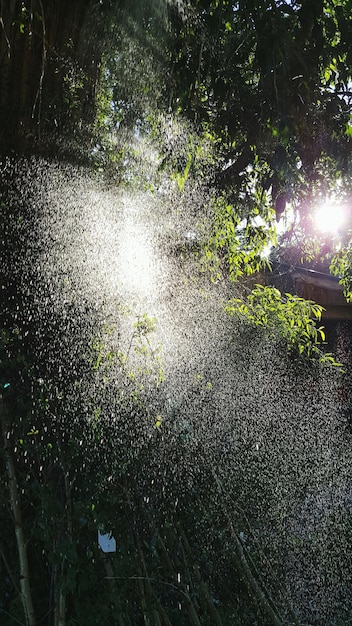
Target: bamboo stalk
62,609
25,587
61,600
170,566
148,587
11,576
189,603
203,588
261,595
252,583
141,578
164,617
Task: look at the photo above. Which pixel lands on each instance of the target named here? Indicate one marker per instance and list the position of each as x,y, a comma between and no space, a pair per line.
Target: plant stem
25,588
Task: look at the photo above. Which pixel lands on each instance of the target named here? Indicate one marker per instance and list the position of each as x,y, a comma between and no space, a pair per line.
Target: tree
66,431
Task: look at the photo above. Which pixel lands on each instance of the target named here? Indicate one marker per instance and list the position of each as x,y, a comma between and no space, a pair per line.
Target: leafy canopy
270,83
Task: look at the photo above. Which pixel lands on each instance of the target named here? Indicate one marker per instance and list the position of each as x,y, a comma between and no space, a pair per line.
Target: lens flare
329,216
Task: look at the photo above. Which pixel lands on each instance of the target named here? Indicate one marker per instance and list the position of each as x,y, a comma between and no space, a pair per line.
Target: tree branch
9,570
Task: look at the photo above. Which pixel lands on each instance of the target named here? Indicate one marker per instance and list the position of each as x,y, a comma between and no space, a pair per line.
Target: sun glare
137,259
329,216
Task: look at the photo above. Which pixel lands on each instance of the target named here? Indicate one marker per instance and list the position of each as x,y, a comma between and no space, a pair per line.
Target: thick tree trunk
25,588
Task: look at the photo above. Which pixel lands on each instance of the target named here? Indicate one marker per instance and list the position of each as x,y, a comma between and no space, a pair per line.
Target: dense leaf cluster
288,316
270,82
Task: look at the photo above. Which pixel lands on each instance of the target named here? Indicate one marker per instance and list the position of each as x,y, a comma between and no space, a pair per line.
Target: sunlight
329,216
137,258
121,256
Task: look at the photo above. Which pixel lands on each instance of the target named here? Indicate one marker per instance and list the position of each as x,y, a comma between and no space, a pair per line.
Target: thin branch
12,617
200,58
17,589
146,578
38,97
5,33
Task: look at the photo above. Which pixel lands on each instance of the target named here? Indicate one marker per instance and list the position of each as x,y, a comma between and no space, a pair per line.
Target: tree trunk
25,588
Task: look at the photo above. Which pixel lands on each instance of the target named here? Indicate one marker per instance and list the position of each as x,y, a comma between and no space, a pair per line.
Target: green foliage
144,325
294,319
262,63
341,266
182,177
142,345
270,83
238,239
134,369
187,154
